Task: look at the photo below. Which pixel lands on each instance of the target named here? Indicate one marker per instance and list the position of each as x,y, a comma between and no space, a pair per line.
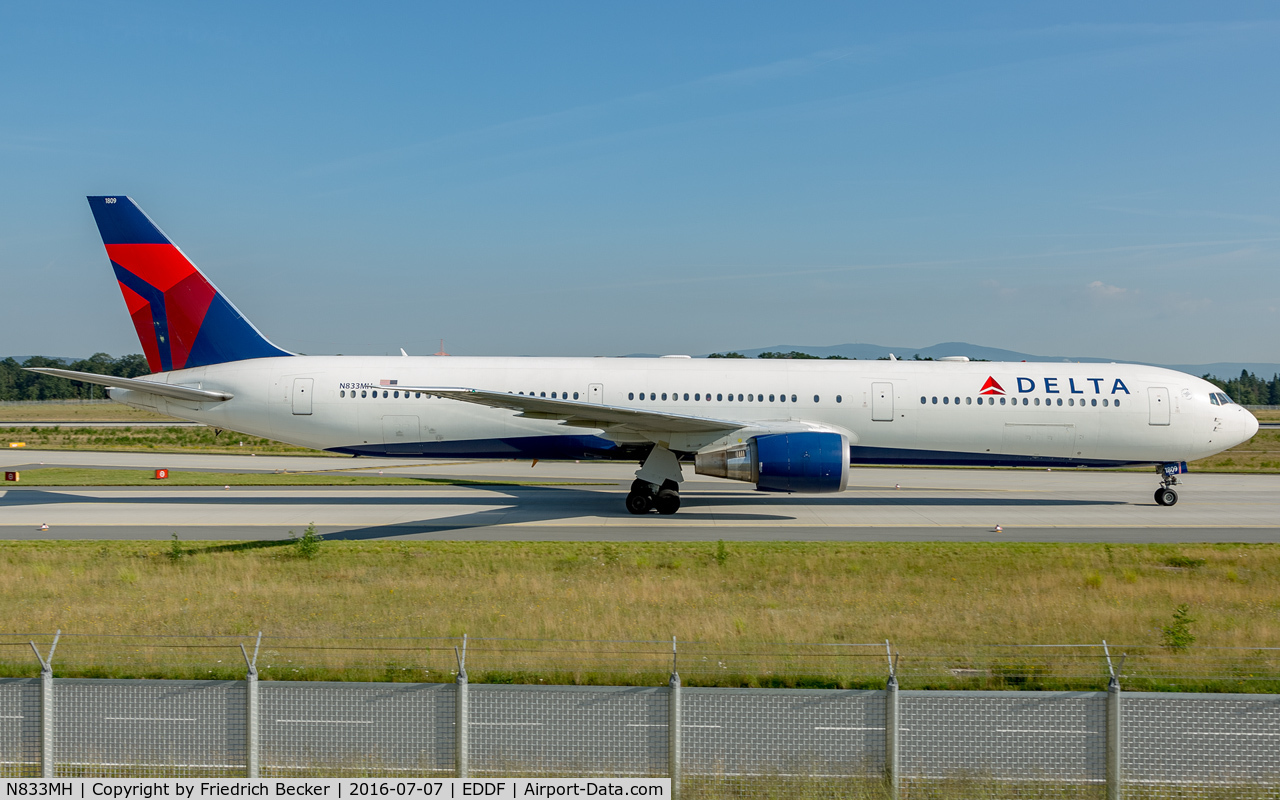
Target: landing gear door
595,393
1159,397
302,388
882,402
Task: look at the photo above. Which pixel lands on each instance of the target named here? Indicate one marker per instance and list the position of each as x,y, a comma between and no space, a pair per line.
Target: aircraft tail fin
181,318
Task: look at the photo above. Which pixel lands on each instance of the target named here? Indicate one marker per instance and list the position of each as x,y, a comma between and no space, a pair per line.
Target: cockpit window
1225,400
1213,398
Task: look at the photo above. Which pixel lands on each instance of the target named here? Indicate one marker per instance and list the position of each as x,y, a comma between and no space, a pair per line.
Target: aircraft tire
667,502
1166,497
639,502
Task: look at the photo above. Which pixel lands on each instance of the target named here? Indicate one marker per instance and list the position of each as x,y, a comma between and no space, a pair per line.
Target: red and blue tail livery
181,318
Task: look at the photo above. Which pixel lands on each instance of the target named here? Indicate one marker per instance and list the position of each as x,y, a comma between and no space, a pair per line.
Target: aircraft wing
581,414
189,393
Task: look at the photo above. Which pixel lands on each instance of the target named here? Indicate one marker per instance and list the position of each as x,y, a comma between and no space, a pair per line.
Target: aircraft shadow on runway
537,504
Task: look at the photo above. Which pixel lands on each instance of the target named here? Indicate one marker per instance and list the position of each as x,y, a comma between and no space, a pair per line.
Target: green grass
66,476
604,613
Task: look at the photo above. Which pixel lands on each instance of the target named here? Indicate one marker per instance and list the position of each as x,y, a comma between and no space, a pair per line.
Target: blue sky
600,179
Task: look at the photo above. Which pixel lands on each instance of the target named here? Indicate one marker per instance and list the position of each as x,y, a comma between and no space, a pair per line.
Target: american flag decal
387,383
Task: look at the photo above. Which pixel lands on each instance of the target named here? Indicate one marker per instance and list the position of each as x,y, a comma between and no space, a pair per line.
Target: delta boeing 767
783,425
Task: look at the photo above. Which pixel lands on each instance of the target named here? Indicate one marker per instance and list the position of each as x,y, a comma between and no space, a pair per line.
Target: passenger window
957,401
686,395
935,401
730,398
631,395
968,401
770,398
815,398
1116,402
719,398
664,395
793,398
553,395
1059,401
1001,401
362,393
946,400
653,396
1095,402
751,398
384,393
1025,401
739,398
417,395
839,399
342,394
575,395
1071,401
1104,402
979,401
923,400
1037,401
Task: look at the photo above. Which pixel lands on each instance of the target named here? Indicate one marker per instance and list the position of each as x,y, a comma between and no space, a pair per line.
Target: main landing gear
657,484
645,497
1165,495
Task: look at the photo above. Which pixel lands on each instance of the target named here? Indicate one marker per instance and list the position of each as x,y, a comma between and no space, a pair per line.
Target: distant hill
1220,369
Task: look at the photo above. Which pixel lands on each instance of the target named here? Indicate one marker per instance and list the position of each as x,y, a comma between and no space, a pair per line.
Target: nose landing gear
1165,495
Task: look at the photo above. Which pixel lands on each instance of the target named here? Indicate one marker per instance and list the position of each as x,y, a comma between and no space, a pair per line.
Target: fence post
892,751
674,767
460,761
1115,774
46,707
251,709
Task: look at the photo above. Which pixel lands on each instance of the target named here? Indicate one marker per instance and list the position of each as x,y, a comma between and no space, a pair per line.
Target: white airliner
784,425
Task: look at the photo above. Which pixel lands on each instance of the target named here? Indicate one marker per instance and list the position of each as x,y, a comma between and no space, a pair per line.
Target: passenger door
302,395
882,402
1159,398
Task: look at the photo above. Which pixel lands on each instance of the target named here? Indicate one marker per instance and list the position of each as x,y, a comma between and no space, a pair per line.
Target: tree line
18,384
1249,389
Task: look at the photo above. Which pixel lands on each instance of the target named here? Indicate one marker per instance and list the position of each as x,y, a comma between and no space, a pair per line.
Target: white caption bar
334,788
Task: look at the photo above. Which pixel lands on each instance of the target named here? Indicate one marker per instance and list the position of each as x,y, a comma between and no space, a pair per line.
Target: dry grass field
154,440
609,607
77,412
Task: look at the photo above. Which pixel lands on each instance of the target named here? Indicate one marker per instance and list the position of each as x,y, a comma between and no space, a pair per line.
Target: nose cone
1250,425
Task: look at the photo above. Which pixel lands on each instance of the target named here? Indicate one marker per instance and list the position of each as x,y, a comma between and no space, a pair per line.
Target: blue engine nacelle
808,462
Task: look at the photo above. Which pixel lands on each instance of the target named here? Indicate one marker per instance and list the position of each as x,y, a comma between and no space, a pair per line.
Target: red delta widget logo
1055,386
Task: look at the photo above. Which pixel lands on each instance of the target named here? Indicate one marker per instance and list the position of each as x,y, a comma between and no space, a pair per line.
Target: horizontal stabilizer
153,387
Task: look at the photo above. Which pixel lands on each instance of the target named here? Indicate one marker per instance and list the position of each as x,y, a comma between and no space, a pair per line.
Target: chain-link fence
761,741
1066,667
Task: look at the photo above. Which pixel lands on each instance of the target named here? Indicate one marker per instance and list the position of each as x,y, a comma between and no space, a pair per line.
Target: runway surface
927,505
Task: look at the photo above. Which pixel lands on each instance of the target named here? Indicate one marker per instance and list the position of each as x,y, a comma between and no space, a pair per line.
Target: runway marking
150,719
1035,730
325,721
828,728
